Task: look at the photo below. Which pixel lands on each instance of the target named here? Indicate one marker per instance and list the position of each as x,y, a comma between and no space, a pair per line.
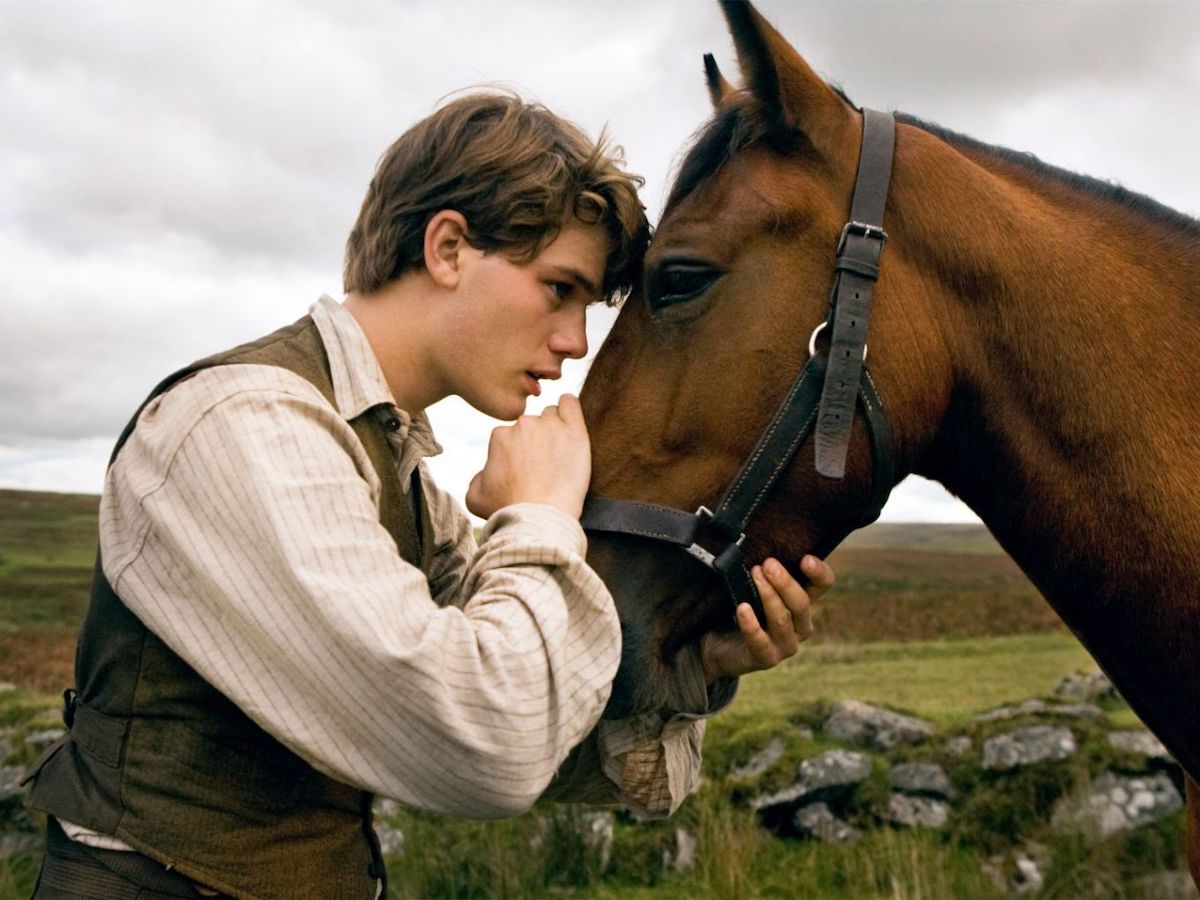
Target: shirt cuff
690,698
541,521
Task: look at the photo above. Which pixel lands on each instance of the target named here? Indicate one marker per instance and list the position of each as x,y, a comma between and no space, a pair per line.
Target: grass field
932,620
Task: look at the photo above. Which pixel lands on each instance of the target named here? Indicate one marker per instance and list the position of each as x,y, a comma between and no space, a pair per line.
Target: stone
683,857
597,829
861,723
1115,803
19,843
1087,686
1026,746
921,778
959,746
1019,872
817,821
386,807
917,812
1173,884
40,740
1041,708
10,785
832,774
759,762
1140,743
391,839
1029,879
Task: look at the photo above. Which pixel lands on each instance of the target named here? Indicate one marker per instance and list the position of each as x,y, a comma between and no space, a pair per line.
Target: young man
289,617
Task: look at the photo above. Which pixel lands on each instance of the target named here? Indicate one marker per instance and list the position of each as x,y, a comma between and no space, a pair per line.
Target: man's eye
562,289
678,283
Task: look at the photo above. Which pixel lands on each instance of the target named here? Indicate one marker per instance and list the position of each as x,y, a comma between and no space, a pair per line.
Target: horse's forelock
728,132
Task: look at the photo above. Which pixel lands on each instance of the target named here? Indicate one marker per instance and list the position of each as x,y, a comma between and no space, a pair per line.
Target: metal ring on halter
812,341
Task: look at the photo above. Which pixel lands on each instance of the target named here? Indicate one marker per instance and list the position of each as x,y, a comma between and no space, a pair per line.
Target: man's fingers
780,619
570,411
758,642
820,576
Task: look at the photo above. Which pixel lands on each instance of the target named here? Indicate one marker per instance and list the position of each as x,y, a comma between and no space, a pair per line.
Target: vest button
375,870
392,423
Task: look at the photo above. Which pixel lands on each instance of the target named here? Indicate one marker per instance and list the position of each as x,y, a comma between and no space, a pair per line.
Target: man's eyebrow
579,278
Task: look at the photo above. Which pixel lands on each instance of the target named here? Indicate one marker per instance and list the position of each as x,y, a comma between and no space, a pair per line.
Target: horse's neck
1072,426
1072,429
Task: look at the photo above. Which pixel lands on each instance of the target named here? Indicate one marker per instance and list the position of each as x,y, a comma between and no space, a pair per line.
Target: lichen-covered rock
759,762
861,723
1114,803
1019,872
597,827
816,820
391,839
40,740
959,746
10,784
1140,743
921,778
835,773
1026,746
1087,686
1041,708
683,857
910,811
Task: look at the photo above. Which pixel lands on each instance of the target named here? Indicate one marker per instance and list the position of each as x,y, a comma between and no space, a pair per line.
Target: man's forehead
579,251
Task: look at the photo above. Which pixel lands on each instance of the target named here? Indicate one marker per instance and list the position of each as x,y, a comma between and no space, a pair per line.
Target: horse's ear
718,87
774,72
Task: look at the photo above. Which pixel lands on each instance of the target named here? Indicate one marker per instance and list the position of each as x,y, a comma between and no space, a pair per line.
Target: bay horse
1030,339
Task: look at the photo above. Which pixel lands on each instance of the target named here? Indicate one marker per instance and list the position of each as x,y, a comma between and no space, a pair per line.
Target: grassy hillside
47,550
895,583
934,620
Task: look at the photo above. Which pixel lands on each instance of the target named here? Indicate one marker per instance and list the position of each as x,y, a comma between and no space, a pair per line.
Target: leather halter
826,392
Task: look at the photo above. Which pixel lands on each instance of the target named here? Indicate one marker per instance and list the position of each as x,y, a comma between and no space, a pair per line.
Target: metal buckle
698,552
862,229
812,344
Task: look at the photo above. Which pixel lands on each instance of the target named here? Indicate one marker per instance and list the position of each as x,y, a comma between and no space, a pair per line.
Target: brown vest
162,760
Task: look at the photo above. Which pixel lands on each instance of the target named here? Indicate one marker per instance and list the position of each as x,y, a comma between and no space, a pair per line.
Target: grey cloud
180,176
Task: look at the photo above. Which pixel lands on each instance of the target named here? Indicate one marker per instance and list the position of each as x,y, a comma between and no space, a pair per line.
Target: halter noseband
826,392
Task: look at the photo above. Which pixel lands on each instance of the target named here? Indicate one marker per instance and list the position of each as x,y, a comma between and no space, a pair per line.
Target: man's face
518,322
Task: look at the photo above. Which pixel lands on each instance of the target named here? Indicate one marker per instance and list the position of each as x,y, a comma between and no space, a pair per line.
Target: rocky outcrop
830,775
1114,803
1027,746
875,727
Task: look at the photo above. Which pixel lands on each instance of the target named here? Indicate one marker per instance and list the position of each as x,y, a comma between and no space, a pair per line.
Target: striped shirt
240,523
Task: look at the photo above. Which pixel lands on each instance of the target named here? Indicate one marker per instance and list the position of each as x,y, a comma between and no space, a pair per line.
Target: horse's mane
745,123
1105,190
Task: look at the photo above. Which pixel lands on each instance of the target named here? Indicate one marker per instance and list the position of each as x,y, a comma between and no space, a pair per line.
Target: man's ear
445,241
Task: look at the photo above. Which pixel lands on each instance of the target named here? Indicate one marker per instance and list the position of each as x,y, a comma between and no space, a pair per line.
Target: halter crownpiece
826,392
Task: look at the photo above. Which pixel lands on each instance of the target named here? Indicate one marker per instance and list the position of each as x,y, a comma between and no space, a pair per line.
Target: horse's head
737,278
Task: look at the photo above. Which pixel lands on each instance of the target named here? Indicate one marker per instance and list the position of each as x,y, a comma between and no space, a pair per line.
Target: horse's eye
677,283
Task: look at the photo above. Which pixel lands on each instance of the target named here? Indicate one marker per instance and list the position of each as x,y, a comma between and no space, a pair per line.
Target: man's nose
570,338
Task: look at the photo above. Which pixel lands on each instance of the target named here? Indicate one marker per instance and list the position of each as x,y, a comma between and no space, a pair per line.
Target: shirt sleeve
242,527
649,763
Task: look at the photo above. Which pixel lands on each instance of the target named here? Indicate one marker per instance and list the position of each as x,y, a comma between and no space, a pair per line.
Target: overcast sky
177,177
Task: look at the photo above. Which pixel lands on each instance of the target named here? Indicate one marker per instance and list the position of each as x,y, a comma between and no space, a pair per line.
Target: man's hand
789,621
537,459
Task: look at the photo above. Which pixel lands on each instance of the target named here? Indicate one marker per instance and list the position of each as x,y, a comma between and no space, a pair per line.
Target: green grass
932,620
944,681
47,550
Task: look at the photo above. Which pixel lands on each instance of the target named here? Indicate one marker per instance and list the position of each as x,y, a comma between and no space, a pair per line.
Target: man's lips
533,378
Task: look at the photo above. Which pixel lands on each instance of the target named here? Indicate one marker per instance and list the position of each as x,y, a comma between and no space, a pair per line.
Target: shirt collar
358,381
